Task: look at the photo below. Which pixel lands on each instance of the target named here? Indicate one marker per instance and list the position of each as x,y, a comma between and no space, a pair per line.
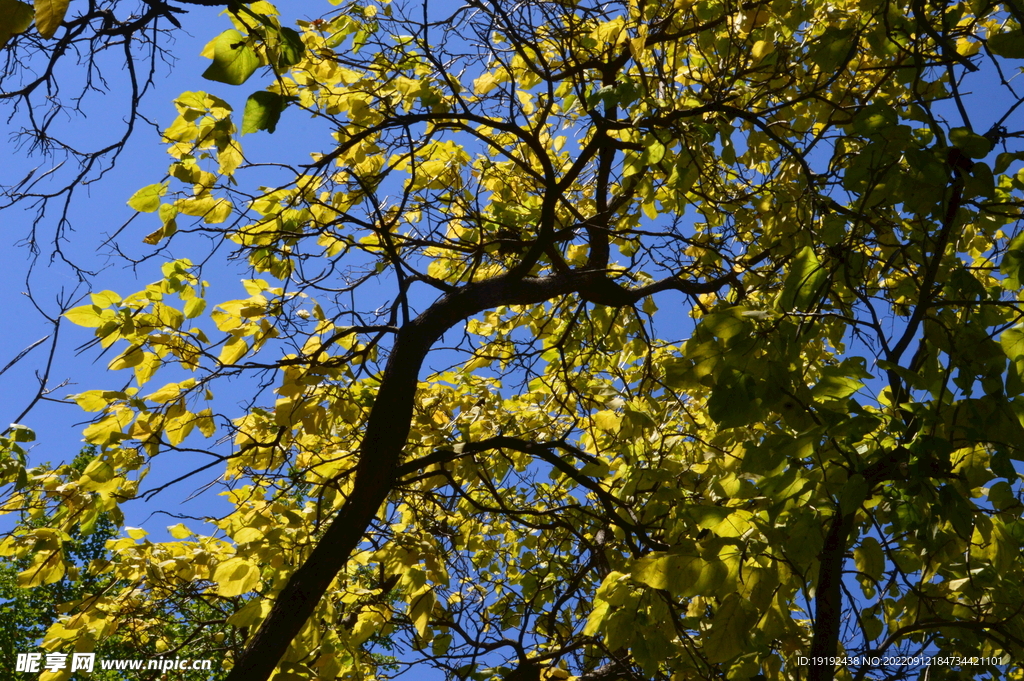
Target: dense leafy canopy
26,614
474,427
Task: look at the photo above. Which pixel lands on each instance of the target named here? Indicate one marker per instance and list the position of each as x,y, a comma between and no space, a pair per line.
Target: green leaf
291,49
972,466
956,510
22,433
973,145
49,15
1004,160
804,283
853,494
1012,341
833,48
869,559
676,572
147,199
732,401
234,59
1009,45
262,111
730,629
1012,261
15,17
654,151
833,385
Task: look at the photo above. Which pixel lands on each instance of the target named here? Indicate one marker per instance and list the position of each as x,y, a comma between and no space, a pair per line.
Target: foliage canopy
474,426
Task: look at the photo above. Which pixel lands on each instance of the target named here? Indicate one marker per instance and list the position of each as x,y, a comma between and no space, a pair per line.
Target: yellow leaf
147,199
230,158
136,532
207,50
49,15
178,428
85,315
869,559
676,573
129,358
194,307
105,298
236,576
219,212
369,622
205,422
145,369
99,470
736,524
197,206
247,535
101,432
762,48
233,350
420,609
730,628
484,84
250,613
48,570
608,421
164,394
91,400
179,531
263,7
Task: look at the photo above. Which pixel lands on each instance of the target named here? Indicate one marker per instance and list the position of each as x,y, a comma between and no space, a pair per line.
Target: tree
472,427
34,595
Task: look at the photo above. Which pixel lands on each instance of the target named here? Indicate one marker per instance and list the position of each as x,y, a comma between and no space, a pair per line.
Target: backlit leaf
804,282
1009,44
15,17
234,59
730,629
236,576
262,111
85,315
49,15
147,199
233,350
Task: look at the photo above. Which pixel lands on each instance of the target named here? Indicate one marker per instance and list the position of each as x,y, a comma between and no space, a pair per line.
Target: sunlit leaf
234,59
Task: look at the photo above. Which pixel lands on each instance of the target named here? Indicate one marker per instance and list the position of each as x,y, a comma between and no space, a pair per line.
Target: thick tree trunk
828,600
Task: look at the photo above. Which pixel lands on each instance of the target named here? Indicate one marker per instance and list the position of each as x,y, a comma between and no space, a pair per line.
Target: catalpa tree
618,340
